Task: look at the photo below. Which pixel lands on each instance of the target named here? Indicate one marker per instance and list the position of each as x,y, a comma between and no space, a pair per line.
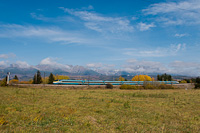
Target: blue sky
131,35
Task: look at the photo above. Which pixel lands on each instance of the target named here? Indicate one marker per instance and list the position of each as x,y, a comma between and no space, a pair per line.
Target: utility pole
8,76
36,78
44,79
88,79
2,73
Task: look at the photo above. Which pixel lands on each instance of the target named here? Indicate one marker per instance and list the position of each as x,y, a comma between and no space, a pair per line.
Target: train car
131,82
170,82
114,82
100,82
69,82
93,82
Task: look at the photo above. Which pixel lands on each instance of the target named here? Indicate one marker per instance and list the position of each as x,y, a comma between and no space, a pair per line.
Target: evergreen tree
169,78
198,80
197,84
164,77
16,77
51,78
158,77
37,79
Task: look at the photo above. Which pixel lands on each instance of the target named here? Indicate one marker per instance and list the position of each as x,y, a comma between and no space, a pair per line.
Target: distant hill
75,72
28,73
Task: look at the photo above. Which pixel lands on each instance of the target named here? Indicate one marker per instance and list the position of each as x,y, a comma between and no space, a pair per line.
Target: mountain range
27,72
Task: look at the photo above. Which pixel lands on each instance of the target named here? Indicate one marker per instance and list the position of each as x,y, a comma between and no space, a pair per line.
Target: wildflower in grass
3,121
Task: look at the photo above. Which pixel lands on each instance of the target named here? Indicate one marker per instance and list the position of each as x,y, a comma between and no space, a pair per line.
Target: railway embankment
52,86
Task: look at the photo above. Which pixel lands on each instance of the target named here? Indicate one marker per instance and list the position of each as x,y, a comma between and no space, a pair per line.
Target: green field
77,110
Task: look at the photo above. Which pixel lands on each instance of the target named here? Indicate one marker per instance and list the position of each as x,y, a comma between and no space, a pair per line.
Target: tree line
37,79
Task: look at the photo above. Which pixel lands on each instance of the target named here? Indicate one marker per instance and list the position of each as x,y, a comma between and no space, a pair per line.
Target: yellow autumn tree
60,77
45,80
121,78
142,78
14,81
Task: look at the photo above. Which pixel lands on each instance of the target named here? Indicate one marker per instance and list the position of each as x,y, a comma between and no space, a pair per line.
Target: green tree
164,77
37,79
198,80
197,83
158,77
16,77
51,78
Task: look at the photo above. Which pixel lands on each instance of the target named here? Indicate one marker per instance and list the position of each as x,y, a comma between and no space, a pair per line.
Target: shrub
197,86
198,80
14,81
164,86
26,82
157,86
183,81
128,87
149,86
126,104
4,82
109,86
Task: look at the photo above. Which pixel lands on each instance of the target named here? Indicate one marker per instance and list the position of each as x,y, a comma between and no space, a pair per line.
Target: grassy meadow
101,110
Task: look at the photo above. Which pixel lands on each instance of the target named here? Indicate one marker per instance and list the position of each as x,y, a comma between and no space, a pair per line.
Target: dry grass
61,110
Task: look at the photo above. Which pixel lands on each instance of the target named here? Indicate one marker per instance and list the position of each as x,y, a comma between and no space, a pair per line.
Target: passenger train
99,82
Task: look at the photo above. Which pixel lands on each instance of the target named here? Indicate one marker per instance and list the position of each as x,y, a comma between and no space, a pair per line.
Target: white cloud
6,56
131,65
176,13
172,50
176,67
22,64
134,18
180,35
185,68
101,23
52,63
49,34
48,19
90,7
102,68
3,64
94,65
136,66
144,26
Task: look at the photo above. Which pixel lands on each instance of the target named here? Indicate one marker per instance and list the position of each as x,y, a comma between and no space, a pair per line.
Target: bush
198,80
197,86
26,82
128,87
149,86
14,81
164,86
109,86
183,81
157,86
4,82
